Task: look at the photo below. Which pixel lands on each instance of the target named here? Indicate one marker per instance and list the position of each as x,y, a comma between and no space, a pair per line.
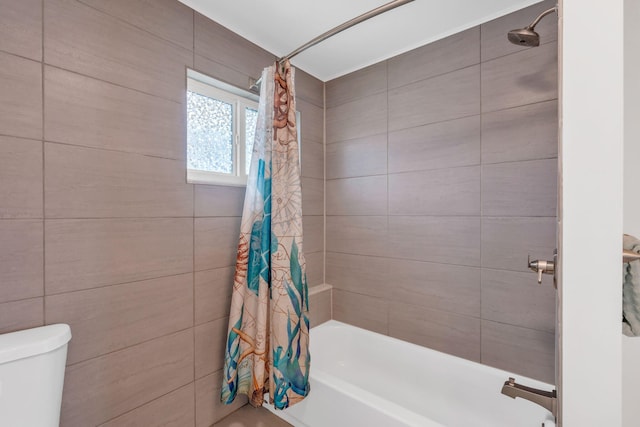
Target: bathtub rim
466,362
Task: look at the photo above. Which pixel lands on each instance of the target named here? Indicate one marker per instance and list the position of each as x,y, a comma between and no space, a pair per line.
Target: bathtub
360,378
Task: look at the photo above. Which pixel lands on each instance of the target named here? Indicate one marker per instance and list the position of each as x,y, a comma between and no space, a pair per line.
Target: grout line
128,347
480,207
94,148
324,184
44,223
113,150
499,110
17,55
130,218
22,299
422,261
387,151
102,423
88,76
193,38
71,291
131,24
193,63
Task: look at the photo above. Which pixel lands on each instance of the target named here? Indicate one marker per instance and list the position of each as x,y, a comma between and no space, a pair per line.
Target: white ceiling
280,26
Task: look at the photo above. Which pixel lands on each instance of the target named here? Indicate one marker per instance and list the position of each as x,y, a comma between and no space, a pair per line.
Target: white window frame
240,99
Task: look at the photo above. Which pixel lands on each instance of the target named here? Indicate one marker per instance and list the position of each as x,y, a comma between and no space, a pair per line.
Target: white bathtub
360,378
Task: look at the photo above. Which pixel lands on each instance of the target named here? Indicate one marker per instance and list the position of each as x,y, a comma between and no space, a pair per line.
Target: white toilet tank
32,364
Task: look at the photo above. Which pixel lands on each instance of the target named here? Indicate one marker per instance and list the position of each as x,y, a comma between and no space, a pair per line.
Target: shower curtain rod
340,28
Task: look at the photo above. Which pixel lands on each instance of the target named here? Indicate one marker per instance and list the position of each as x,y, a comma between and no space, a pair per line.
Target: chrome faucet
546,399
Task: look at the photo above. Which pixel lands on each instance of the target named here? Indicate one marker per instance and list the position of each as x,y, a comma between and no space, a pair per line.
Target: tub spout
546,399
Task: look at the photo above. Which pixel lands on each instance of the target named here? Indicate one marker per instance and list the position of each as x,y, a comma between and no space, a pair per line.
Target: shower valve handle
541,267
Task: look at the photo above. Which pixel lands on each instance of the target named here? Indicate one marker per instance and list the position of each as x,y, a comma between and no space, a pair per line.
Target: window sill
213,178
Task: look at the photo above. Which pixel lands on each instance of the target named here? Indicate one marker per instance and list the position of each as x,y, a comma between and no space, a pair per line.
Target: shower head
527,36
524,37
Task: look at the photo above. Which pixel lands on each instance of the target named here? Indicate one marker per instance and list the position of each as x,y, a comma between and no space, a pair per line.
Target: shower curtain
267,347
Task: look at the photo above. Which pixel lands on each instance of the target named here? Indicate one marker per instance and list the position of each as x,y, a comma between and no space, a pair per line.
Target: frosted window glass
209,134
251,120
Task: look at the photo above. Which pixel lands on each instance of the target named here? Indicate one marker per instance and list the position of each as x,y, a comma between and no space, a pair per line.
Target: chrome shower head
524,37
527,36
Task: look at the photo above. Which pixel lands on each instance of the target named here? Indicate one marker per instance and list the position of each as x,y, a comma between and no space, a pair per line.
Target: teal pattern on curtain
267,347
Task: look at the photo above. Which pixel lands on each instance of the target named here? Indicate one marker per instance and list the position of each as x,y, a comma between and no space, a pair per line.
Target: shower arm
542,15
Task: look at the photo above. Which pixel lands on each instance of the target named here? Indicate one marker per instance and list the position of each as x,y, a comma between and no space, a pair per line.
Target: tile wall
98,226
441,179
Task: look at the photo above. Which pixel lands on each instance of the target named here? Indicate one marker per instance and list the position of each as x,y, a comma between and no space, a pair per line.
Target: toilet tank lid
32,342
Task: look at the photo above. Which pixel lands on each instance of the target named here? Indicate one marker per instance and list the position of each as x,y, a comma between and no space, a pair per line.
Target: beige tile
507,242
360,310
21,28
452,191
92,113
357,196
209,409
520,133
361,274
441,145
357,157
515,298
168,19
248,416
309,88
21,259
115,317
313,236
20,178
210,346
525,188
449,240
214,41
87,253
312,196
89,183
438,330
519,350
216,242
494,41
312,162
218,200
23,314
446,287
451,96
85,40
357,119
521,78
97,390
442,56
21,96
222,72
319,308
359,84
213,294
176,409
311,121
315,268
362,235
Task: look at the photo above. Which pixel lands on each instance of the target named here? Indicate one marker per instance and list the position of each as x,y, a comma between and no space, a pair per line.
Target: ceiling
280,26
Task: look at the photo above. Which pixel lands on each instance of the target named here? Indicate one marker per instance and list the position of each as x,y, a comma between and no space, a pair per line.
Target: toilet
32,364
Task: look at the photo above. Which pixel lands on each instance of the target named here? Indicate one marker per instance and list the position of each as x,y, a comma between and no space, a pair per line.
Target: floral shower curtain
267,347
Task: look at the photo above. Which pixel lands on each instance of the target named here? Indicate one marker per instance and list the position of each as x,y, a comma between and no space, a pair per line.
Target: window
221,122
